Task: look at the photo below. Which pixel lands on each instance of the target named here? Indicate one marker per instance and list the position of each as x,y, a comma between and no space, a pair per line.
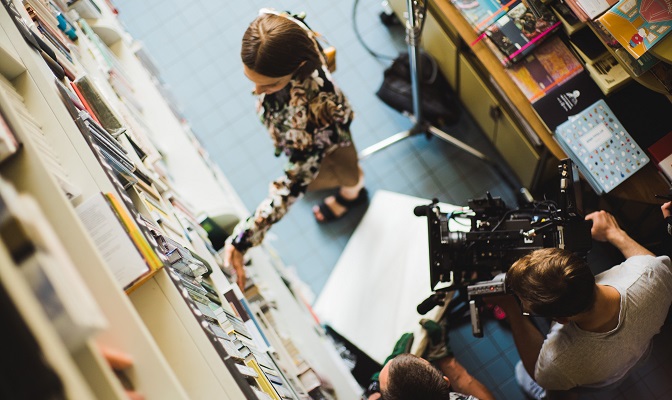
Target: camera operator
603,324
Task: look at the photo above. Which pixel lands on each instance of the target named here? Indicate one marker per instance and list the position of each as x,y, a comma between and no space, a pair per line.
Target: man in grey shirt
603,324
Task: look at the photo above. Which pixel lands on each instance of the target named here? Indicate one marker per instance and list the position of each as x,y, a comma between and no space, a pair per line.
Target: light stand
414,26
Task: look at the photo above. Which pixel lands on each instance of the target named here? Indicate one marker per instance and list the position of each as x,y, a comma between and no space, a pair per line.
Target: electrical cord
361,40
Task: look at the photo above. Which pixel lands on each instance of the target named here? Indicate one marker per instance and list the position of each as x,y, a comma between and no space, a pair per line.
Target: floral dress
307,120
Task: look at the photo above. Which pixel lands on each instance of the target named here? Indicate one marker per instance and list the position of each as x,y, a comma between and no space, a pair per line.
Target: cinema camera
497,238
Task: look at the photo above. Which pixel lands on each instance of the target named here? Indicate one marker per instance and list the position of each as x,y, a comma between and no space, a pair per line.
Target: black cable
361,40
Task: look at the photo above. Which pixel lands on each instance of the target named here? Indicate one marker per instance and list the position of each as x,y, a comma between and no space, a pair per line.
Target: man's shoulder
639,265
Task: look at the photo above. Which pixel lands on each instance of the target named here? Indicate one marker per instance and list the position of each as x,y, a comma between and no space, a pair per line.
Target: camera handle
436,299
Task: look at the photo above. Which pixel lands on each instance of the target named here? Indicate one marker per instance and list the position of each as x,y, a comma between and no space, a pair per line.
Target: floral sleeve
306,121
283,192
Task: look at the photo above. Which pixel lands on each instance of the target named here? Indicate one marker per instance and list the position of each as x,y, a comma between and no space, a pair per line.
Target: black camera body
498,236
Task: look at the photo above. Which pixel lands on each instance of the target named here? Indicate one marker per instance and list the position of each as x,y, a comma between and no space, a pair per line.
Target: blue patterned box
597,142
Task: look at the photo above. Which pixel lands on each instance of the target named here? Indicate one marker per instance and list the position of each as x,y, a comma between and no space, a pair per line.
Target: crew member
603,325
408,377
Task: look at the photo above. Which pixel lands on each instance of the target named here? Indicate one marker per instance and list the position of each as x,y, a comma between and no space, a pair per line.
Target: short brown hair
276,46
554,282
412,378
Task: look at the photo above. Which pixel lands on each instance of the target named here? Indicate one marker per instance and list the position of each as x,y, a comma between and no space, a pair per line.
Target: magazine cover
481,13
518,31
638,24
596,140
551,64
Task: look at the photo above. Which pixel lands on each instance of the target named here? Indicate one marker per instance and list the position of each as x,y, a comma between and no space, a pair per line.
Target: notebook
604,151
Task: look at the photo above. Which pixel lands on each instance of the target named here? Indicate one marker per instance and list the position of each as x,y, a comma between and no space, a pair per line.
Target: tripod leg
385,143
443,135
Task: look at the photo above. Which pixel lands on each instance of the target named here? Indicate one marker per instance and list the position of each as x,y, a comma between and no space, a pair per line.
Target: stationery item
549,66
638,24
604,151
522,28
661,154
566,100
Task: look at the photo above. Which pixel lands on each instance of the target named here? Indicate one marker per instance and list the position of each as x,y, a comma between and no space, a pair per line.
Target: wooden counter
640,187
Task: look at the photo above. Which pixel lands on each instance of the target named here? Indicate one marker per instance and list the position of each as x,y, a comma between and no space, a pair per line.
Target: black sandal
329,215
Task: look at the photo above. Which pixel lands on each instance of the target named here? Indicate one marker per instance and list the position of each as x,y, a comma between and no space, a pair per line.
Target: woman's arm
283,192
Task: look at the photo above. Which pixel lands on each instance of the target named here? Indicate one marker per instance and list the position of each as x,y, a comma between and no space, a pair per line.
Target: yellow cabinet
438,44
497,125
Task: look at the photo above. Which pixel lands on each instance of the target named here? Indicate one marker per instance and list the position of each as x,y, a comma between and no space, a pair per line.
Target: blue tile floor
196,45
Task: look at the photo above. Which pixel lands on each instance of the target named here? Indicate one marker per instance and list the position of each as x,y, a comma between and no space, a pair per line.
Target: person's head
275,49
408,377
553,283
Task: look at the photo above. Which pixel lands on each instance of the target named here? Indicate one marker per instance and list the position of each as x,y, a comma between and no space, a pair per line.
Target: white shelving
173,357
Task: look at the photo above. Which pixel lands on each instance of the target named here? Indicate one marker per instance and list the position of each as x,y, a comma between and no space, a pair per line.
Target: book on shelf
663,74
604,151
603,33
595,8
99,105
569,20
148,251
587,43
9,144
638,24
636,66
578,11
29,130
522,28
607,72
86,8
116,239
661,155
262,380
481,13
566,100
547,67
247,371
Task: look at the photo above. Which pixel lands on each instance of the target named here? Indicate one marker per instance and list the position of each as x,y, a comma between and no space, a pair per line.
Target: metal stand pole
413,34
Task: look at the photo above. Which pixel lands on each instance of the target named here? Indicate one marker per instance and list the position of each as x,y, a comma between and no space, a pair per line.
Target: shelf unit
152,321
501,109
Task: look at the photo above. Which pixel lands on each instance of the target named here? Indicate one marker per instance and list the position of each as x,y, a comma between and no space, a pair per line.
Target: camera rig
498,236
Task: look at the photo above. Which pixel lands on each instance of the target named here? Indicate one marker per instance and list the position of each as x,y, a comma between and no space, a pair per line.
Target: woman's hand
234,258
